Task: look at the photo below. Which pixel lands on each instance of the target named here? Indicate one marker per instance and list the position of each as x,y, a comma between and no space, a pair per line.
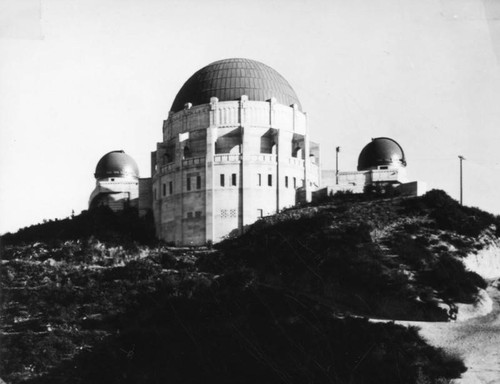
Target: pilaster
307,165
209,181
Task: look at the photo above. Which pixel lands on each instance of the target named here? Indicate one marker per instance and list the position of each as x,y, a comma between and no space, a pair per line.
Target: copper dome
116,164
382,151
229,79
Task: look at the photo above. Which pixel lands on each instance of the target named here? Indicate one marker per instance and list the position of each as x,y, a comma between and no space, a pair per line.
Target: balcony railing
263,158
227,158
167,167
296,161
193,161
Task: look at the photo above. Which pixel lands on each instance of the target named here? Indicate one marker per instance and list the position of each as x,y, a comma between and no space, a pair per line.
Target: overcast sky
81,78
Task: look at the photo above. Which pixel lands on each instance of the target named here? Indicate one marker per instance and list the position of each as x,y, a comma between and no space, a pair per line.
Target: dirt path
476,340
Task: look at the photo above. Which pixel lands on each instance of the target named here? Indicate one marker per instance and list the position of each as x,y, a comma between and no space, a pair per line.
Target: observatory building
235,148
381,162
117,182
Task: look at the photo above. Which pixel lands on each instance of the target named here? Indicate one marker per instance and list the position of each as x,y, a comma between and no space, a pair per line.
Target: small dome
230,79
116,164
382,151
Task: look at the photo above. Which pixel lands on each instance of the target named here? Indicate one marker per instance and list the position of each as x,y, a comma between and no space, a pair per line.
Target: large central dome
230,79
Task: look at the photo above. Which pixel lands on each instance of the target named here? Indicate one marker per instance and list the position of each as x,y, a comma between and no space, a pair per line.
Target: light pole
337,150
461,179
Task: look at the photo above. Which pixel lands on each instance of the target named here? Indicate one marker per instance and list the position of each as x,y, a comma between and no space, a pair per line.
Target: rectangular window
233,179
260,179
198,182
270,180
170,187
295,183
164,188
190,215
188,184
286,181
222,181
197,214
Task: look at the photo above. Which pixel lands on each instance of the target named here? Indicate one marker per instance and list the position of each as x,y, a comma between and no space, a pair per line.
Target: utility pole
461,179
337,150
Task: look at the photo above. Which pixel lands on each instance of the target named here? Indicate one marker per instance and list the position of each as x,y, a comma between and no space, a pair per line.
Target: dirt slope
476,340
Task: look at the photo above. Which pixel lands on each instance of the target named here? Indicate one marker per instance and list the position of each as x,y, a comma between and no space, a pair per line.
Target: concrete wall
115,192
145,196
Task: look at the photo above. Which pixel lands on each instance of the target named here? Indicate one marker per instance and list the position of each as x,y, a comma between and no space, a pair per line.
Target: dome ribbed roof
381,151
229,79
116,164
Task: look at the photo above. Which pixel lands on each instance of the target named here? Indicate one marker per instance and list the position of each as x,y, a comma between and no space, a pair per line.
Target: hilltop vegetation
102,223
391,258
270,306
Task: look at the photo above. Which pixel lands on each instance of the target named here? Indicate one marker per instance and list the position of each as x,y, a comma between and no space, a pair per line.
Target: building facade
235,148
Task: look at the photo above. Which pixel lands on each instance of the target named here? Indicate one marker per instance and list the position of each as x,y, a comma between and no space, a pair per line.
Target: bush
448,214
124,227
449,276
248,335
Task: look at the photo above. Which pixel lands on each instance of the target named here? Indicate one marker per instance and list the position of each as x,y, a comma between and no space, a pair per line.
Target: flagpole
337,150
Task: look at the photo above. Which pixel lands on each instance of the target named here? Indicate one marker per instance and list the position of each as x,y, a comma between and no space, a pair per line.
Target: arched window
267,142
187,152
297,152
235,150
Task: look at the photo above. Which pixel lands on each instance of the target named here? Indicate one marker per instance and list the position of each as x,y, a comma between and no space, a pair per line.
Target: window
155,194
270,180
170,187
188,184
197,214
233,179
190,215
260,213
222,181
164,189
260,179
295,183
297,152
198,182
186,152
286,181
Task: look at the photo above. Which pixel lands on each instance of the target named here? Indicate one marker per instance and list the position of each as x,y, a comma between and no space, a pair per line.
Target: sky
80,78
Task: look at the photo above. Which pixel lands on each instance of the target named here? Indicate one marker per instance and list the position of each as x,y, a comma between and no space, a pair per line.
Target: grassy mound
149,316
270,306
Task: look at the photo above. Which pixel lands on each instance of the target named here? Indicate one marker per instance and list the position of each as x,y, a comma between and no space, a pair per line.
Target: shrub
449,276
448,214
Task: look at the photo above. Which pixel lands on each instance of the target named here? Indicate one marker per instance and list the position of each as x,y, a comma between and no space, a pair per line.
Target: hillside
283,303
